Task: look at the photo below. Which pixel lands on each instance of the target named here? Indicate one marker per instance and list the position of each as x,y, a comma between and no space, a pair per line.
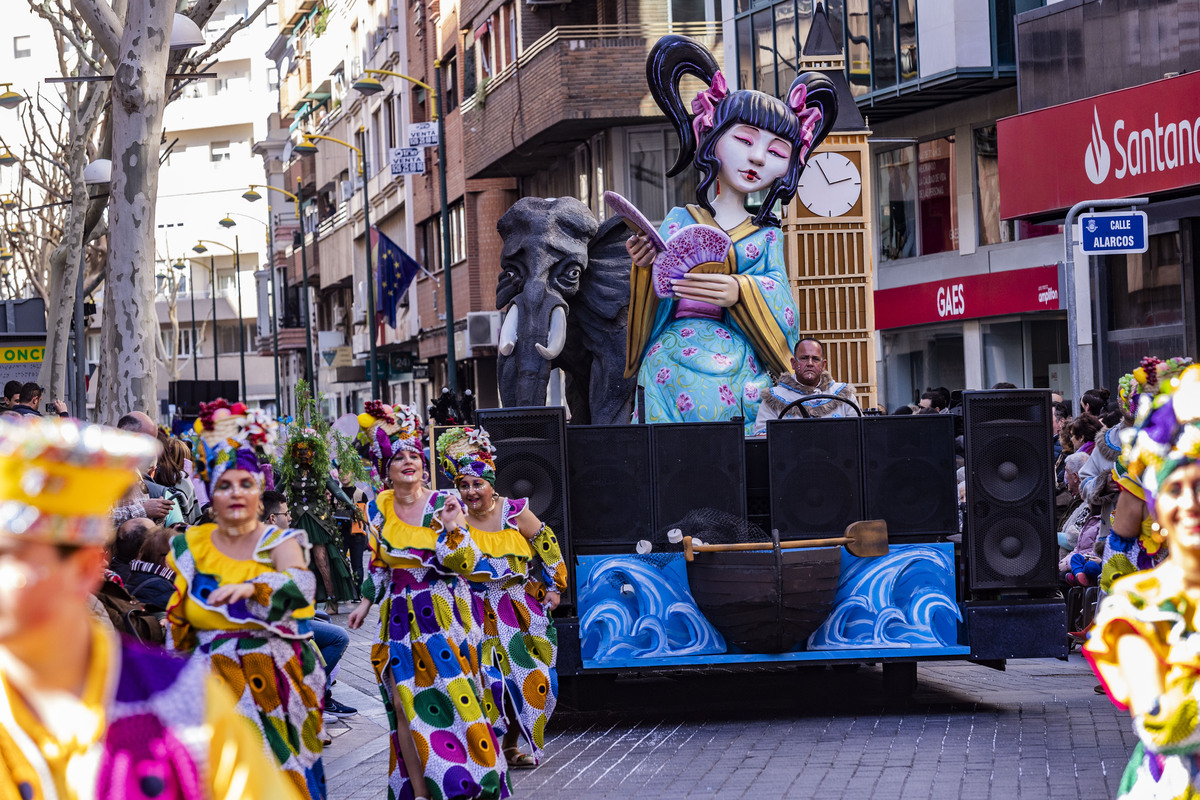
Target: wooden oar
866,538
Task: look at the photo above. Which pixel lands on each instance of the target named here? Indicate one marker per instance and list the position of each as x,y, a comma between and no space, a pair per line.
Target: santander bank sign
1135,141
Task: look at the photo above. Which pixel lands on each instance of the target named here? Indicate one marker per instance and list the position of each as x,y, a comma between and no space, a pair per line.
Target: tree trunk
129,375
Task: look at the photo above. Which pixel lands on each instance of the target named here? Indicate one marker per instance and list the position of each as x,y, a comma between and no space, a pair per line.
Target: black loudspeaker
698,465
1010,534
758,483
531,462
815,466
608,469
570,657
1036,629
909,474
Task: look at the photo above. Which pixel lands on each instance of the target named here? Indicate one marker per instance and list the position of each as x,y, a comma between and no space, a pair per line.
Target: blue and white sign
1121,232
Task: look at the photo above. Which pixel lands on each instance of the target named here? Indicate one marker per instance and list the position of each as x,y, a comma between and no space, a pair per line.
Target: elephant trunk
529,340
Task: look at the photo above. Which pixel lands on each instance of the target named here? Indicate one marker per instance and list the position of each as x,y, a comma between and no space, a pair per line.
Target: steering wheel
804,411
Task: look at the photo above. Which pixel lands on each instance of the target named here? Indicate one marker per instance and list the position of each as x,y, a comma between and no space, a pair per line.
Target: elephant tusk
557,338
508,331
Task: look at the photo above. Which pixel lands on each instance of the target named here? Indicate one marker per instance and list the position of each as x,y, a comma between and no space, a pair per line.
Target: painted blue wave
903,599
658,618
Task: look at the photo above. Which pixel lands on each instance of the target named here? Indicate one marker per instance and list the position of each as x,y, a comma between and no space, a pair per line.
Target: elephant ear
604,288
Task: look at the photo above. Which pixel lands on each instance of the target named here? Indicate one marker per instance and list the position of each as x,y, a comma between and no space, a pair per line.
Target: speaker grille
909,474
815,482
1010,490
698,465
610,484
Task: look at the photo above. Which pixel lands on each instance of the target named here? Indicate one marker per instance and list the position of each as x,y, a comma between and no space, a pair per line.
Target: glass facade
918,211
918,359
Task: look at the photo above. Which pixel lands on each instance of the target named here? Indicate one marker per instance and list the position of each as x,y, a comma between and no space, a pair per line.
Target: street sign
400,363
1120,232
420,371
422,134
407,160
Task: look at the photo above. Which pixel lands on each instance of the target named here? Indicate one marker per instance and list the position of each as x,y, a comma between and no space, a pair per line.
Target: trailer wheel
899,681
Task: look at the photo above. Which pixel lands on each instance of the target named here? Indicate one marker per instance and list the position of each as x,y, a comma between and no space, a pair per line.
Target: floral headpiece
1166,435
467,451
1146,380
385,431
228,437
59,479
704,106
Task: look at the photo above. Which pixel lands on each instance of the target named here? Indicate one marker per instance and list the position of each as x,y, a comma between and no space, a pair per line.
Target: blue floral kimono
698,362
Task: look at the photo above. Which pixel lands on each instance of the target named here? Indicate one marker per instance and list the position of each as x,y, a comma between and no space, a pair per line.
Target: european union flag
395,270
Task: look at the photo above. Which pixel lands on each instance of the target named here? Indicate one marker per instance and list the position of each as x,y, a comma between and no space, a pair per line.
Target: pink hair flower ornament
705,104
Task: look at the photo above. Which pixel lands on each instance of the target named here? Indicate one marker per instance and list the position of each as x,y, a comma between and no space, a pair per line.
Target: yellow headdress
59,479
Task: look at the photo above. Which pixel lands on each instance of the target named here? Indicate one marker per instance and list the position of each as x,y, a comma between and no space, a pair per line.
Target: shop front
1138,142
972,332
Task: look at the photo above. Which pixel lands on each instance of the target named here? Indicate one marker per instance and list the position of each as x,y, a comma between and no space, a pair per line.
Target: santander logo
1096,159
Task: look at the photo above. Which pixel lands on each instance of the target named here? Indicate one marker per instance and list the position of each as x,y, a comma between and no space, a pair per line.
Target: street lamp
229,222
368,86
237,266
9,98
306,148
7,159
185,34
192,296
200,249
252,196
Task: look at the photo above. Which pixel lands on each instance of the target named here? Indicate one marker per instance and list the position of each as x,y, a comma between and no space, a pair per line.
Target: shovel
865,539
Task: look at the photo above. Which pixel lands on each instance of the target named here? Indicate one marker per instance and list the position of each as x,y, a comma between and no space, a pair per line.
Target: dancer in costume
309,485
426,656
1146,635
520,644
244,595
1131,543
704,352
84,713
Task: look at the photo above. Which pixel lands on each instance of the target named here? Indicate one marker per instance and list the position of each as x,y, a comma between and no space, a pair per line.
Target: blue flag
395,270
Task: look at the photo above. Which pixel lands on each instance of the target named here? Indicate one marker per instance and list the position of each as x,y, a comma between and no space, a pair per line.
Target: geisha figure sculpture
711,313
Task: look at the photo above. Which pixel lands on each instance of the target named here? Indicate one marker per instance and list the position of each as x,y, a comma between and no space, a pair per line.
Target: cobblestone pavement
1037,730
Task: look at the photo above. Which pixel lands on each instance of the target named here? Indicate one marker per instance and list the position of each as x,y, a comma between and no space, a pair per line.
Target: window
219,85
417,108
1146,289
273,78
226,280
450,82
93,347
888,30
429,239
470,82
22,46
992,229
183,342
769,39
219,151
229,338
389,122
651,152
918,212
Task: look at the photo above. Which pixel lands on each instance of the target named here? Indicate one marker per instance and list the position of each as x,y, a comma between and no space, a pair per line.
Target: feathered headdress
467,451
1166,435
230,437
1152,377
59,479
385,431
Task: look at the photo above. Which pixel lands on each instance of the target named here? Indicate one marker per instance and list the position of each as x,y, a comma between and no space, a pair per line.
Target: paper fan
691,247
635,219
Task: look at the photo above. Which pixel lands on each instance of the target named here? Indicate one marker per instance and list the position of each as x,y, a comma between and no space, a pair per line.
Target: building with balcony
537,102
1106,111
962,298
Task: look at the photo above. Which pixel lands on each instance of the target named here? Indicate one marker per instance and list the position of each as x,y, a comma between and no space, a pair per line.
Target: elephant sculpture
565,282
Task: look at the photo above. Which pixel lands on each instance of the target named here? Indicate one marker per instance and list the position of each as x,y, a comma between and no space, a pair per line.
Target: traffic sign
1120,232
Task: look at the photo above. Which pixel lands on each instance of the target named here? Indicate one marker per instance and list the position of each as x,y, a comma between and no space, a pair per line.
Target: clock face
830,185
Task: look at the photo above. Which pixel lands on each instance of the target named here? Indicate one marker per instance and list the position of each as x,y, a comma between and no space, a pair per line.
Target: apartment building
543,100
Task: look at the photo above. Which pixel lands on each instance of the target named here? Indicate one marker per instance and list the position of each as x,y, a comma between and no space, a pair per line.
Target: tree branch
105,25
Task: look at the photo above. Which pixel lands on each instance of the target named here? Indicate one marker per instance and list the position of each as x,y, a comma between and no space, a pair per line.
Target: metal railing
707,32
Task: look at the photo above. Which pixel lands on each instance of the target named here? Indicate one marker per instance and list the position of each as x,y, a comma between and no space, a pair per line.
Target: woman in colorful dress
85,713
426,656
244,595
1147,633
705,353
502,540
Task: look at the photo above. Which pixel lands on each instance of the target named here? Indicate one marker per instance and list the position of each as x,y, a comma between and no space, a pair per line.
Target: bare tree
135,37
169,281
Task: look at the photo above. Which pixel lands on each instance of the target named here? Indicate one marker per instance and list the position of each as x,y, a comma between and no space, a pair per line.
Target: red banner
1122,144
988,295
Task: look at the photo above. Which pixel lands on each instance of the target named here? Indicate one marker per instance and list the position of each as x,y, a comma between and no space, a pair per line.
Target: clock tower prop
828,230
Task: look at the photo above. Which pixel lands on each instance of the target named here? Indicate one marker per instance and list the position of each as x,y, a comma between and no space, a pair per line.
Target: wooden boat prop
767,597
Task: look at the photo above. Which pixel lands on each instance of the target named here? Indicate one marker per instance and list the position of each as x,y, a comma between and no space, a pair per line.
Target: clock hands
822,169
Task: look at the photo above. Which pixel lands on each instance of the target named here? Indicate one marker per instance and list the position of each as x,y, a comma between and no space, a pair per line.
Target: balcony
963,50
570,84
291,12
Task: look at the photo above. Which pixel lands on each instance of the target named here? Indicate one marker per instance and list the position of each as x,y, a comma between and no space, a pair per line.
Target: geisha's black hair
674,56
